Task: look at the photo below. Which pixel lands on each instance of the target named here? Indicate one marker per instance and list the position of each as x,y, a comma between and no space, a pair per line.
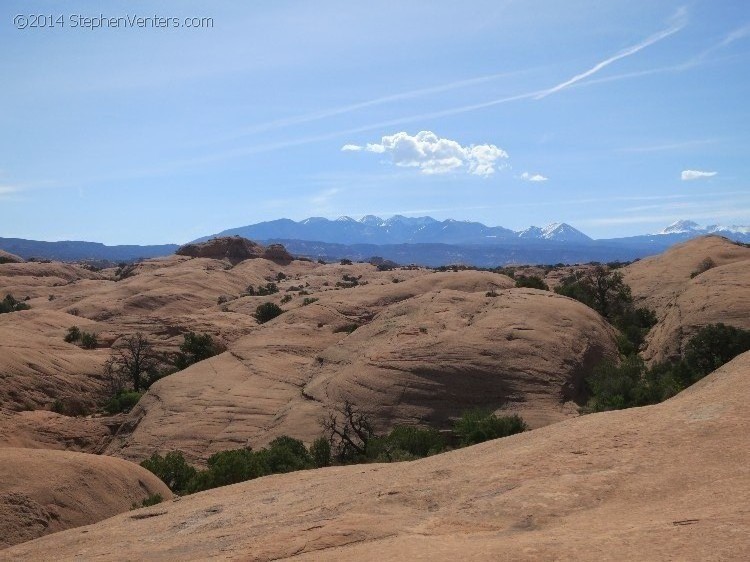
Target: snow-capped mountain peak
410,221
680,227
550,230
556,231
371,220
563,232
691,228
734,229
533,232
395,219
313,220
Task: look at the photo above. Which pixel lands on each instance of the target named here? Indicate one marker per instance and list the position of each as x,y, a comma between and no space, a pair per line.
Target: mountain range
421,240
399,230
426,230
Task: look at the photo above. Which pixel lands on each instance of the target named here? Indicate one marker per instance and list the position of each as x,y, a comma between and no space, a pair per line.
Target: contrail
678,18
621,55
316,116
696,60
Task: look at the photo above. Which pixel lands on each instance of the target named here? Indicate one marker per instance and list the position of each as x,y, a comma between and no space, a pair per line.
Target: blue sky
617,117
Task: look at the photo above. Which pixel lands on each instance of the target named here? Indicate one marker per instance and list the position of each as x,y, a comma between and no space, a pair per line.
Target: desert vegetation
195,348
531,282
134,365
86,340
348,437
348,281
267,311
262,290
604,290
10,304
703,266
631,382
134,360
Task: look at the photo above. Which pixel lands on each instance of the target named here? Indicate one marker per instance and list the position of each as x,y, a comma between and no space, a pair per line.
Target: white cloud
526,176
351,148
435,155
688,175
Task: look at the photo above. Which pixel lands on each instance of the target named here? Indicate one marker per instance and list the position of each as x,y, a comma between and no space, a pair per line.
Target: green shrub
203,480
9,304
172,469
348,281
345,262
262,290
575,289
85,339
605,291
286,454
231,467
73,335
634,324
283,454
123,402
406,442
601,289
320,452
286,298
58,407
712,346
153,499
477,426
267,311
386,265
88,340
194,348
662,381
614,386
308,300
531,282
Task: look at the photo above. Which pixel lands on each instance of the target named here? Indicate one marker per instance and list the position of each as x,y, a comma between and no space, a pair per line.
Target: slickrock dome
235,249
